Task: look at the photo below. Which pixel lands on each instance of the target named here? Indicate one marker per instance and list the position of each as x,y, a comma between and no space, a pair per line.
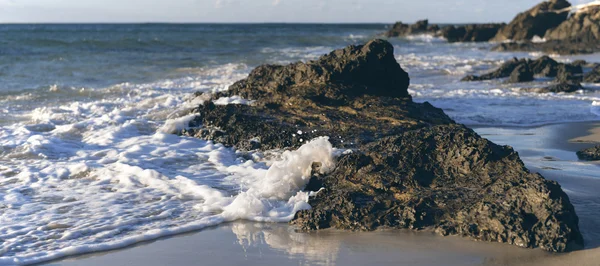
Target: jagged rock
534,22
581,63
411,165
591,154
471,32
582,26
592,76
522,73
545,66
569,73
449,178
523,70
420,27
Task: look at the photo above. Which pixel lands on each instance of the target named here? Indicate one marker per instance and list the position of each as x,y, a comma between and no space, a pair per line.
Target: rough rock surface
420,27
411,165
534,22
582,26
592,76
522,73
471,32
591,154
567,76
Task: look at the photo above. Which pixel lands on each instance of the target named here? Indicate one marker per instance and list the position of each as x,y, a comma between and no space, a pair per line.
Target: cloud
276,2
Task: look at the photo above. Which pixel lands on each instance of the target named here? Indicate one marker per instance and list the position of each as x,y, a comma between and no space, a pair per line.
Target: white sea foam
105,173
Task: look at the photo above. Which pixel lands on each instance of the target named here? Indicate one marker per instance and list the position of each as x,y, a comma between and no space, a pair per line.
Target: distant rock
591,154
582,26
522,73
566,47
411,166
534,22
420,27
592,76
567,76
566,87
471,32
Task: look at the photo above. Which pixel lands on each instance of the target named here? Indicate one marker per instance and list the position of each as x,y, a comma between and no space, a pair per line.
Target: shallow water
87,161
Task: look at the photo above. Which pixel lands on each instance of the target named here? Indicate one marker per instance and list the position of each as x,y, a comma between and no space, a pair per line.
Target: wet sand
549,150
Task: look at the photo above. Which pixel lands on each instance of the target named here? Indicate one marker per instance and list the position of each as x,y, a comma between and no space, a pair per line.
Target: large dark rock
504,71
534,22
411,165
400,29
569,73
471,32
591,154
448,178
592,76
582,26
522,73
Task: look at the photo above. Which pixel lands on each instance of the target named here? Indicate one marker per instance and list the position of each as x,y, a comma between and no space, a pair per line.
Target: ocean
89,161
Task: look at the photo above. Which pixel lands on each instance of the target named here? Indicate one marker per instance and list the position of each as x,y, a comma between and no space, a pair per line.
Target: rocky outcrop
583,26
567,76
534,22
411,166
566,47
420,27
592,76
522,73
471,32
591,154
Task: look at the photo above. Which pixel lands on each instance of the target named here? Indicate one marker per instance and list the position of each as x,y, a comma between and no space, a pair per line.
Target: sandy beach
549,150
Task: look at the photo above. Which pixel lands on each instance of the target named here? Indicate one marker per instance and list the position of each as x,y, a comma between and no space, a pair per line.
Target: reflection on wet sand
399,247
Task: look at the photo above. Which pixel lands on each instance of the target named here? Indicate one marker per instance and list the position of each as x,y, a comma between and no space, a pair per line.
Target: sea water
89,161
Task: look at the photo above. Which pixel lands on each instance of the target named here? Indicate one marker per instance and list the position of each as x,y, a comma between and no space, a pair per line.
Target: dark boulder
545,66
569,73
534,22
471,32
591,154
400,29
447,178
522,73
582,26
523,70
592,76
411,166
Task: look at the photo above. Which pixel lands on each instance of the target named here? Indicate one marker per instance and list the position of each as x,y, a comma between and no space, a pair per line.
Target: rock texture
592,76
471,32
567,76
591,154
579,34
420,27
582,26
534,22
411,165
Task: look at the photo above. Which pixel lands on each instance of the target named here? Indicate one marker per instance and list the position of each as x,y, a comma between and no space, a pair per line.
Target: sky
256,11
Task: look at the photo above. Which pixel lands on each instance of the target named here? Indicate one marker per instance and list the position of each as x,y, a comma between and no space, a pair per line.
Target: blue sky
262,10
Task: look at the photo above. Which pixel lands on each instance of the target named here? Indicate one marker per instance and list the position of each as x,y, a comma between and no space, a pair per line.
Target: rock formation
583,27
567,76
591,154
420,27
534,22
411,166
471,32
593,76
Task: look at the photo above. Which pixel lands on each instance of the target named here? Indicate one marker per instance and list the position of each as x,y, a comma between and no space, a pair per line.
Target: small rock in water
591,154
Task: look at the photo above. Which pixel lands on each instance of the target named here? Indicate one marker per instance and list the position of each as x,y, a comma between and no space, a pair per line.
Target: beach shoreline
548,149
